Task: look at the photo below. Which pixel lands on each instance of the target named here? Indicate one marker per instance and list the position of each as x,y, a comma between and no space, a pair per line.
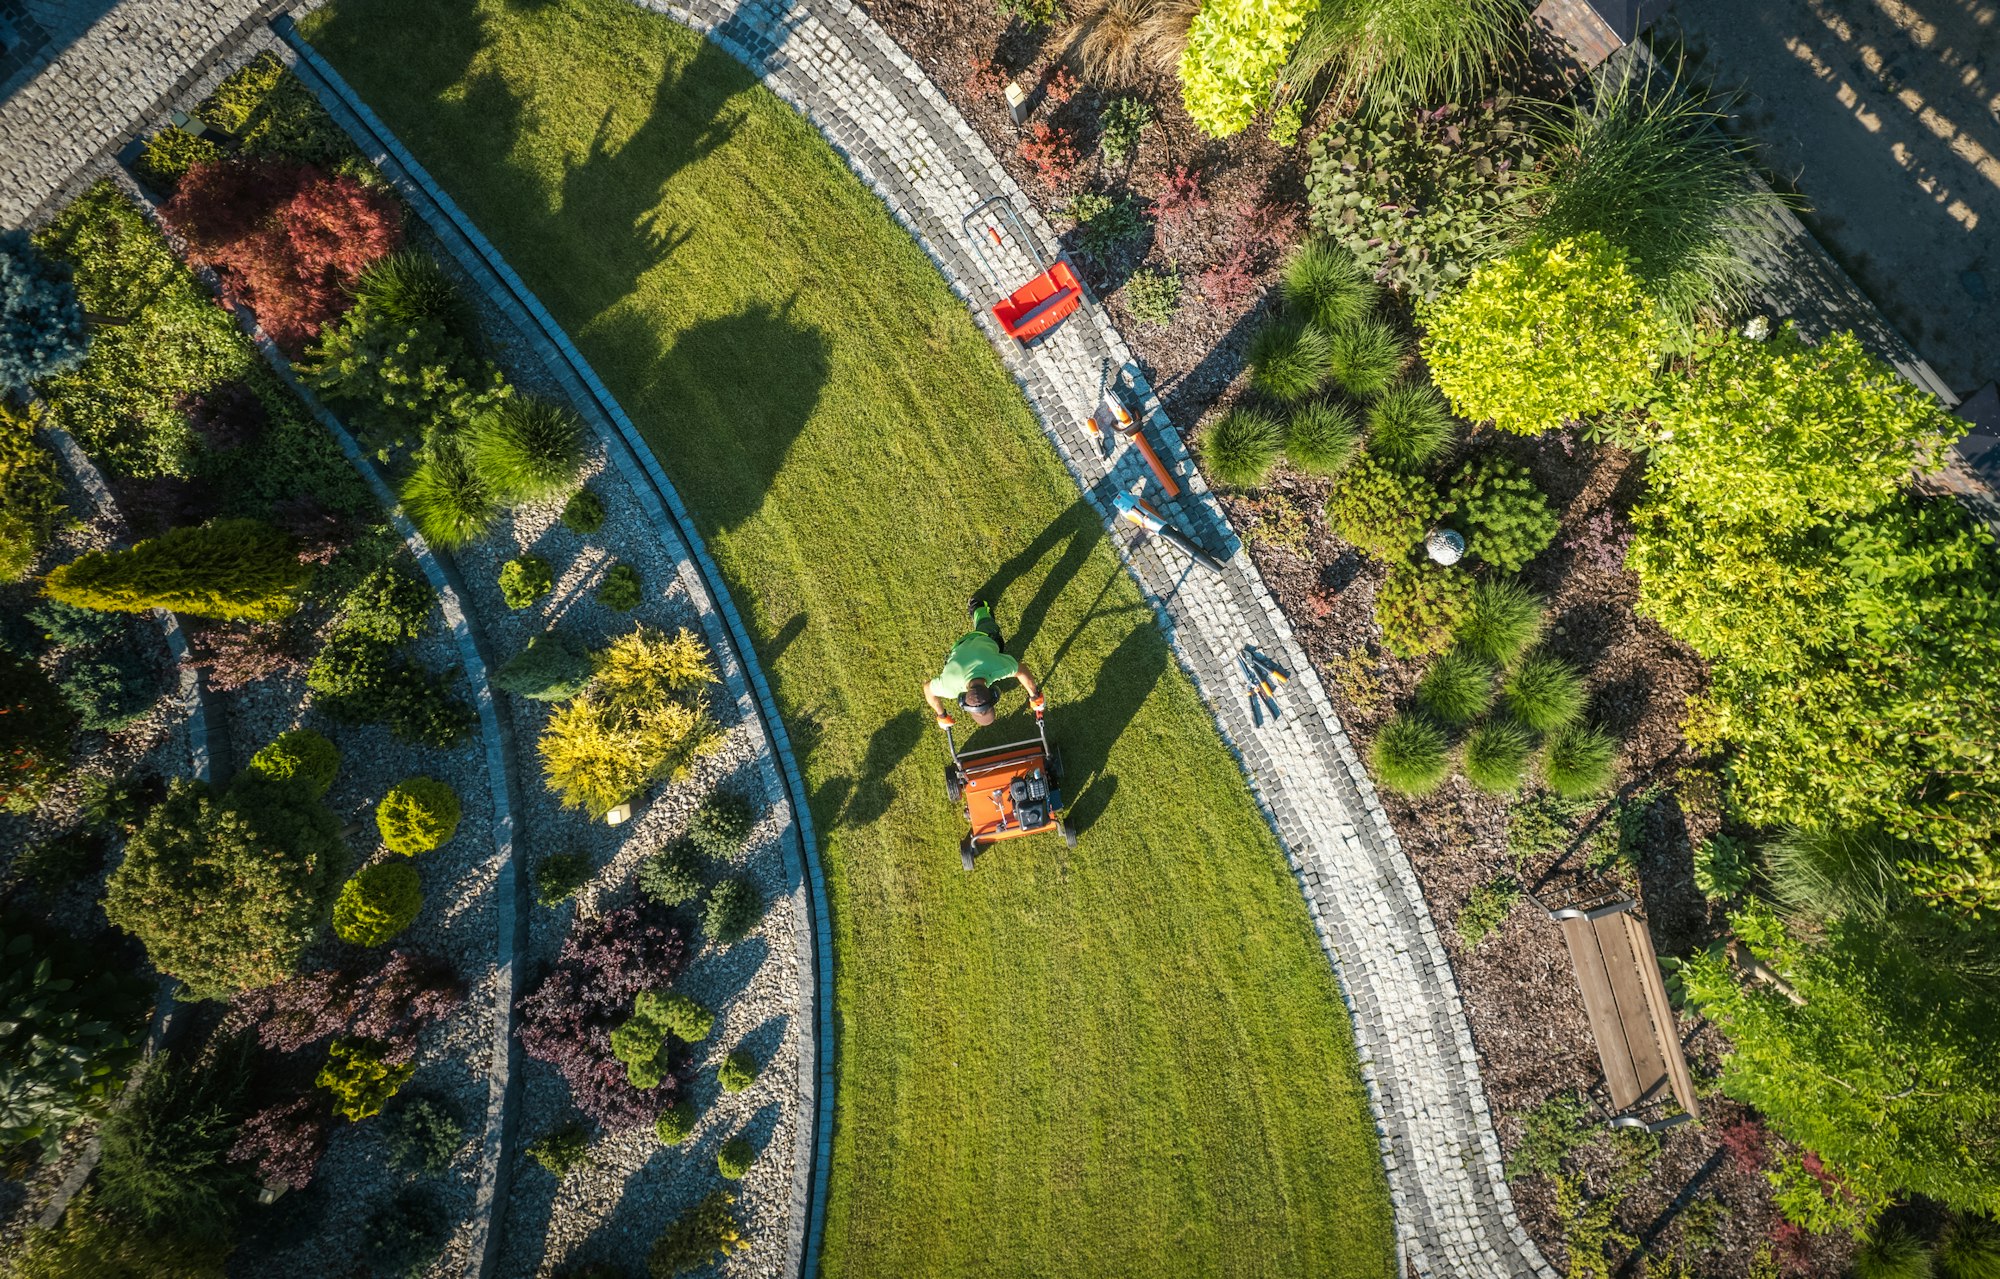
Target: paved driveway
1885,115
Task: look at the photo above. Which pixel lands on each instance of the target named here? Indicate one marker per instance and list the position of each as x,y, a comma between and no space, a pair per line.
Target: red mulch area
1520,993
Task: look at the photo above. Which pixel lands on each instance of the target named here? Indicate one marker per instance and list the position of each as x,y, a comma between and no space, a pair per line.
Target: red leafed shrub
1052,151
1266,224
1180,198
228,416
285,1141
1791,1248
390,1005
1744,1142
984,78
233,654
1061,87
568,1019
288,241
1232,279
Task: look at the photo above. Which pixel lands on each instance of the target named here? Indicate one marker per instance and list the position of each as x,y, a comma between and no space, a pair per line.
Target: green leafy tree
227,889
240,570
1548,333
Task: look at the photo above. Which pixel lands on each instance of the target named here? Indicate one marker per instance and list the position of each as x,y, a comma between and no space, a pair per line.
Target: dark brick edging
642,472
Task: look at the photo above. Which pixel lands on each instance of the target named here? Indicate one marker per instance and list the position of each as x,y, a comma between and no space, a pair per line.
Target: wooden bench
1630,1018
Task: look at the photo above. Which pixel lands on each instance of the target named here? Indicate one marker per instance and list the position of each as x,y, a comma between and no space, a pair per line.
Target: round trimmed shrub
524,580
1323,437
735,1158
584,512
1364,356
1290,359
721,824
378,903
1496,756
1380,511
1505,514
552,668
449,502
1581,761
1505,619
1410,425
672,875
1458,688
1409,755
689,1019
734,907
1241,446
676,1123
302,756
1545,692
1324,283
621,588
526,449
737,1072
559,876
417,815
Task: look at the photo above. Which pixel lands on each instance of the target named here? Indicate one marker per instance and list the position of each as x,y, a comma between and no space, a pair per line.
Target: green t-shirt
976,656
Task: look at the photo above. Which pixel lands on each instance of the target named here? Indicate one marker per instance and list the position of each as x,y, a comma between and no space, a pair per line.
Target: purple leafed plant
392,1004
233,654
1600,541
285,1141
228,416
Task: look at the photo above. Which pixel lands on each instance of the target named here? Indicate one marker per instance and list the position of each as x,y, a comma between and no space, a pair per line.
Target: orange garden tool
1126,425
1266,665
1048,298
1153,522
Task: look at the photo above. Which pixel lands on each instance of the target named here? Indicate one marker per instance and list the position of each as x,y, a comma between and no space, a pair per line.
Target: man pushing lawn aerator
1007,791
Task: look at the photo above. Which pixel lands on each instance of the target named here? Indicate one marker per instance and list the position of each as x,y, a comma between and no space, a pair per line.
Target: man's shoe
975,604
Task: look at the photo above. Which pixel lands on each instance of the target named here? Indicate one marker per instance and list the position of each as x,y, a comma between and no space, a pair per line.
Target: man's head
978,700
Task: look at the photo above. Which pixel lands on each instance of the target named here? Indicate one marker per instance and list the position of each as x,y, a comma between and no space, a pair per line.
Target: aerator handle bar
992,230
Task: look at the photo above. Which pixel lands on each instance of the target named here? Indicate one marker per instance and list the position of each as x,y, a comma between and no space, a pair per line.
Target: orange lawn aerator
1008,792
1048,298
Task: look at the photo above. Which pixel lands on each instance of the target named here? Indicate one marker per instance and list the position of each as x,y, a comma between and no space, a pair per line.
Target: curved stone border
1454,1213
728,637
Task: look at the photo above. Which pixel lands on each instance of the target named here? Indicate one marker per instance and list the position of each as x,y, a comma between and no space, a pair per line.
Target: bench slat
1663,1015
1634,1016
1620,1074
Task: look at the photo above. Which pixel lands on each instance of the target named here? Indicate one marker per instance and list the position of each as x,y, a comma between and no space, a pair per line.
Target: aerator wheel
954,783
967,850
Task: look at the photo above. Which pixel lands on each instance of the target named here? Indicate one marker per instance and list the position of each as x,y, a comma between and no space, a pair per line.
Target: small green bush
1241,446
525,449
409,287
1486,908
302,756
67,626
524,580
109,691
559,875
170,153
721,824
689,1020
422,1136
1380,511
737,1072
392,604
165,1166
583,513
1496,756
676,1123
419,709
621,588
1545,693
1505,619
1458,688
1153,296
1420,607
560,1150
1721,868
640,1041
1324,283
672,875
451,503
1581,761
1892,1252
734,907
378,903
1120,126
1551,1133
417,815
696,1238
552,668
1364,356
1410,425
1290,359
359,1079
1409,755
1506,516
1104,224
735,1158
1323,437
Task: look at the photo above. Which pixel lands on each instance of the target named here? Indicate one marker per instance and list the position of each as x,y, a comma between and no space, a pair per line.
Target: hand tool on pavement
1137,511
1126,425
1275,671
1250,683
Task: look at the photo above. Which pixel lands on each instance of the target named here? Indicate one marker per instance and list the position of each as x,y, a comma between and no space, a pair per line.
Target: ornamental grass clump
525,449
301,756
1325,284
643,718
1380,511
1545,693
1410,755
378,903
417,815
1290,359
409,287
1323,437
1505,619
1364,356
1580,761
1409,426
1458,688
1241,446
448,500
1401,53
1496,756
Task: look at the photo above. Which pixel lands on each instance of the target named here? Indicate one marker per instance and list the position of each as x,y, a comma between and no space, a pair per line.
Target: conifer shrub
405,1234
560,1151
672,876
378,903
301,756
525,579
31,492
392,604
721,824
734,1159
35,734
583,513
171,152
1380,511
642,1040
165,1165
676,1123
41,322
621,588
423,1135
643,718
734,907
1323,438
417,815
241,570
552,668
1409,755
108,690
1506,516
360,1080
525,449
559,876
737,1072
697,1238
1421,606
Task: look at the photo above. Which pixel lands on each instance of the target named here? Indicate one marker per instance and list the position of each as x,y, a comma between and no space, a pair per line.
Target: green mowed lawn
1129,1058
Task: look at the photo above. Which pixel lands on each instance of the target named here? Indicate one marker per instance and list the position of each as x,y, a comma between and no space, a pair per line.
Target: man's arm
937,706
1028,685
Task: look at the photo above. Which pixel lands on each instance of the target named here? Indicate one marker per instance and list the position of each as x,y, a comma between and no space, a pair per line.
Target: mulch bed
1520,992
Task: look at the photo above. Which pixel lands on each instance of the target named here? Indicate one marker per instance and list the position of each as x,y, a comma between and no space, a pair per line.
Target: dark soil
1686,1194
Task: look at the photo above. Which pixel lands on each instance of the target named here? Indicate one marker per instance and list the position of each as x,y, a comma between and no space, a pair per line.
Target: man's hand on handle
944,721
